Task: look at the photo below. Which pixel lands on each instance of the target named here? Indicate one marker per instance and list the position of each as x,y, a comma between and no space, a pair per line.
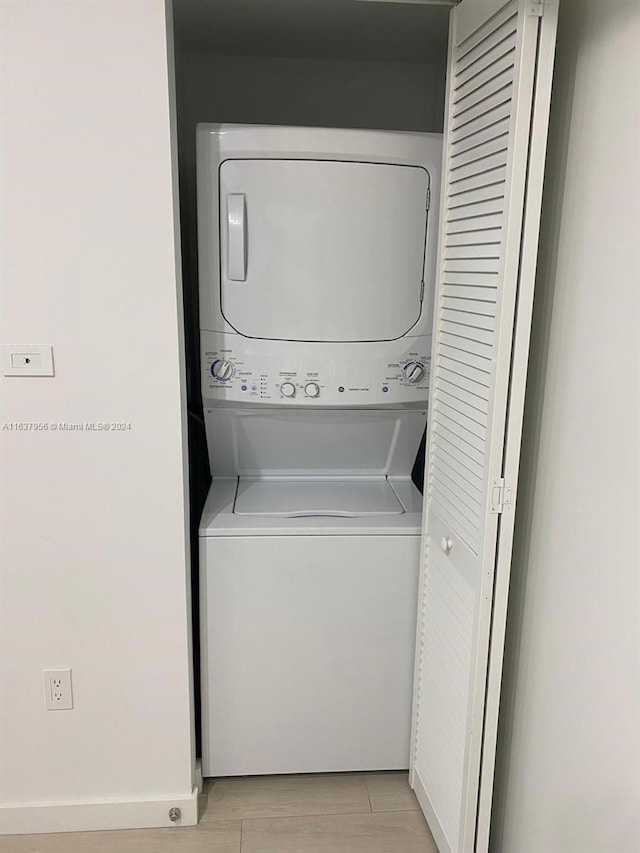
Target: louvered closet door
498,92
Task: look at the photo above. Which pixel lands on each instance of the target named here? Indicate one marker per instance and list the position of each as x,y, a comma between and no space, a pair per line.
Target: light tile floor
319,813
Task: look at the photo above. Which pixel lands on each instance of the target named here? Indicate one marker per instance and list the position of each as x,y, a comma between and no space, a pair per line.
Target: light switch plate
27,360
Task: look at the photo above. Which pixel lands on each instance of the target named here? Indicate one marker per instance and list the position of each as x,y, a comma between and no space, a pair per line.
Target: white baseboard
420,791
95,815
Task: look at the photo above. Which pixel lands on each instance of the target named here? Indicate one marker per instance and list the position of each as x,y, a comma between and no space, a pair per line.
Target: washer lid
330,496
322,250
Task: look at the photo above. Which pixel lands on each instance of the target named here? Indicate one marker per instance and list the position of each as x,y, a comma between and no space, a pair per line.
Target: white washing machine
316,263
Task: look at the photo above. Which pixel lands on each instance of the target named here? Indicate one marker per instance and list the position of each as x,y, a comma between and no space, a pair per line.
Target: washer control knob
414,372
288,389
312,389
222,369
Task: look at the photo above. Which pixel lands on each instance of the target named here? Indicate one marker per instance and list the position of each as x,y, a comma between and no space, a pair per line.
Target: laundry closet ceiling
333,29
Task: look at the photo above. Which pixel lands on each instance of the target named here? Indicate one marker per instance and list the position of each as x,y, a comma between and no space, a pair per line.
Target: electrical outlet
57,689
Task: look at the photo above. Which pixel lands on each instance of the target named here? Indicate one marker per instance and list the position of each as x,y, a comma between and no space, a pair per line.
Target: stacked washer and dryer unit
316,265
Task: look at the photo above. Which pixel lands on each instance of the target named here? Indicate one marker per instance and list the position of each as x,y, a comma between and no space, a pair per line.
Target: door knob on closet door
446,544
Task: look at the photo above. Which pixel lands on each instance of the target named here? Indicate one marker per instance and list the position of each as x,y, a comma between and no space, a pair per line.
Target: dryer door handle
237,237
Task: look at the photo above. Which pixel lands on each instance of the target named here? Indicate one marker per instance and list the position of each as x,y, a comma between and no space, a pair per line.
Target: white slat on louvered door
498,92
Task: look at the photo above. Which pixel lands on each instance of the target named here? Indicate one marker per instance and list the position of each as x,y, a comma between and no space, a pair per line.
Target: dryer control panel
236,369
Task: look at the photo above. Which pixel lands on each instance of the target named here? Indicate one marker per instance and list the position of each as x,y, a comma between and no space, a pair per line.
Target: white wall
93,557
568,778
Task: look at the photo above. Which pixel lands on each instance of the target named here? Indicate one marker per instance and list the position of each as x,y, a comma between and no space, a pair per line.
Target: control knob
288,389
312,389
222,369
414,372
